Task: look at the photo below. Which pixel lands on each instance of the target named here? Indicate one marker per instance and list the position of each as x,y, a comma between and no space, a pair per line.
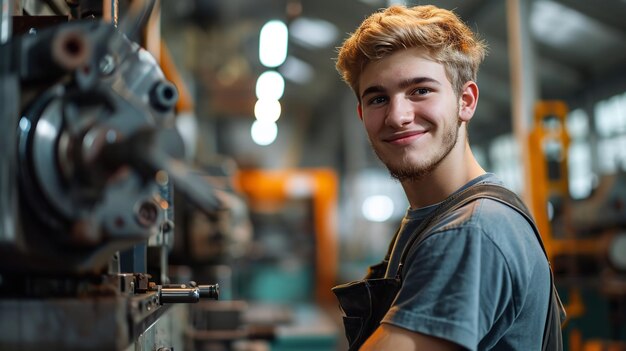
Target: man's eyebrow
403,85
417,80
372,90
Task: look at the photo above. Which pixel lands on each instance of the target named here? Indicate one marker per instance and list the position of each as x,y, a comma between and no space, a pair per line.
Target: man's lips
404,138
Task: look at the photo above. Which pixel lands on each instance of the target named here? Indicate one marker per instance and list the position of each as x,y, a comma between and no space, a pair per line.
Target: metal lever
181,293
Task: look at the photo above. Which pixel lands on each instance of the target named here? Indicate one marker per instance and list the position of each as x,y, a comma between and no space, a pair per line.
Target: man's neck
455,171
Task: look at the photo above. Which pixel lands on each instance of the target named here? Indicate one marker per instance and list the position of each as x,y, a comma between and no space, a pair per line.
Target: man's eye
421,91
377,100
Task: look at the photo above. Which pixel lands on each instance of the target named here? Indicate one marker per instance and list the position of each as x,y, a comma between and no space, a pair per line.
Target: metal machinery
585,239
276,278
89,161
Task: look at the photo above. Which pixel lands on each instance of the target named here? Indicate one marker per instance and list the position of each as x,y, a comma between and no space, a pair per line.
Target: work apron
365,303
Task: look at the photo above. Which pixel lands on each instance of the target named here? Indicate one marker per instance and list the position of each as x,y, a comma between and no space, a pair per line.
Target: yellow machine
579,236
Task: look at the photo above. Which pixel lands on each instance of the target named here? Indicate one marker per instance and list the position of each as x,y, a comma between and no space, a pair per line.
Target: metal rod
9,98
135,18
524,86
179,295
6,21
110,11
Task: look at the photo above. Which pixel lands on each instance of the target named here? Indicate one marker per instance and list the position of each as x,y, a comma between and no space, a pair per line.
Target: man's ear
468,101
359,110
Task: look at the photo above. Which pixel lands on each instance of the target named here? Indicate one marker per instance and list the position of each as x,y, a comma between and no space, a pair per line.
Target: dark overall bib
365,302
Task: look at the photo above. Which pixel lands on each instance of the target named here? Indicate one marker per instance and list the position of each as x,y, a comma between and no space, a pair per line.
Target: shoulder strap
391,244
556,313
460,199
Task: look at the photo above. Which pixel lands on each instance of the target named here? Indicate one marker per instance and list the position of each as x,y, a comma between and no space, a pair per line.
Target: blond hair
445,37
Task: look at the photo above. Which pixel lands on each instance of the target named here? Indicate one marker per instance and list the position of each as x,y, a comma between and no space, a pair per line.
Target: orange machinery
273,188
548,146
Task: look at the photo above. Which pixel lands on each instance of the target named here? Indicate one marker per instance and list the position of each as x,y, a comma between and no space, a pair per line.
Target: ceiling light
270,85
314,33
273,43
263,132
267,110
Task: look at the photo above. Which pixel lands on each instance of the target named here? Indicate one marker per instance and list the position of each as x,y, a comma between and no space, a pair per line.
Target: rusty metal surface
72,324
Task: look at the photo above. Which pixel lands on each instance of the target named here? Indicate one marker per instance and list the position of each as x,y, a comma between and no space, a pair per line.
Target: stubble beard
406,171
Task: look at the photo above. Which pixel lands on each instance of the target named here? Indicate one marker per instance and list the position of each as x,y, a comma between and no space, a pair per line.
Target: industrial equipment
89,161
276,256
584,238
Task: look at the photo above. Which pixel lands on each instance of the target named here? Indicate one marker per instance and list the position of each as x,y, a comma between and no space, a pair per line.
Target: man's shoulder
499,222
504,229
483,213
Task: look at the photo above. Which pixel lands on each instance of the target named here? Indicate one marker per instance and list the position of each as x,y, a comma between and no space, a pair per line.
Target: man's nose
399,113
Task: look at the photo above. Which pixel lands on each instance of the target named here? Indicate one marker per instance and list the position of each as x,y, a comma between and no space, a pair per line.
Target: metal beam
6,22
524,85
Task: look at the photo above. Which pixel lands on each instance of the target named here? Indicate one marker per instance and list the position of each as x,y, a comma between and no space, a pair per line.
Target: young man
482,281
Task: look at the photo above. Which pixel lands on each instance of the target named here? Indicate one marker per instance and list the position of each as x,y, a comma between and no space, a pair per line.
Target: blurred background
268,129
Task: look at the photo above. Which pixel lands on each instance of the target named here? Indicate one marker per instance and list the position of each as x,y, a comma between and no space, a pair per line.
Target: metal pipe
6,20
179,295
183,293
110,11
9,99
135,18
524,86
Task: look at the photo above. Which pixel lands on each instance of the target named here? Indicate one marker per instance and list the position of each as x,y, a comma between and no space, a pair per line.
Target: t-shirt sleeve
456,284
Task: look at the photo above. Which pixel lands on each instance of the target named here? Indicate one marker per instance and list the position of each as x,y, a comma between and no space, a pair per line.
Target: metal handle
209,291
184,294
179,295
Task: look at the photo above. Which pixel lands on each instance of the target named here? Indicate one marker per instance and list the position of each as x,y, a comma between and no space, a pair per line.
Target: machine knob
209,291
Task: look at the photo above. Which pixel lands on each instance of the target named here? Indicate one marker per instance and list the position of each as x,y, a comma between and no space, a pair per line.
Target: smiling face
410,112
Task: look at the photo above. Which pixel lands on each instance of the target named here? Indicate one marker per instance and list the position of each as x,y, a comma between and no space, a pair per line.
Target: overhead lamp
263,132
273,43
267,110
270,86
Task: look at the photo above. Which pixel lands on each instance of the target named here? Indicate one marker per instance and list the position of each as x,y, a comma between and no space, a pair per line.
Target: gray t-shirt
482,281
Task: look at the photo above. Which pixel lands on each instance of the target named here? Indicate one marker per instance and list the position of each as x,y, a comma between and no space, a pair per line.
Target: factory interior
193,175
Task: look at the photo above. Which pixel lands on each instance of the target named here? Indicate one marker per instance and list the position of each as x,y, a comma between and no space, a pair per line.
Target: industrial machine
584,238
89,161
274,256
